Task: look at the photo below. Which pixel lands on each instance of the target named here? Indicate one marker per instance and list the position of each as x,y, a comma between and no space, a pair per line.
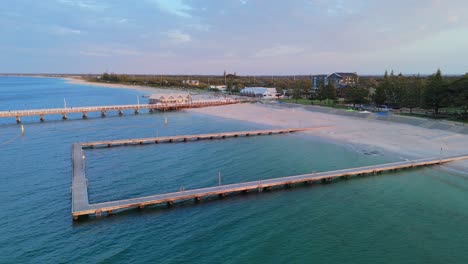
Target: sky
261,37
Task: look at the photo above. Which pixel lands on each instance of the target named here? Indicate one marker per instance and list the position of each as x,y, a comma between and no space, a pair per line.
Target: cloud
199,27
85,4
123,20
109,51
178,37
93,54
59,30
113,20
175,7
278,51
335,8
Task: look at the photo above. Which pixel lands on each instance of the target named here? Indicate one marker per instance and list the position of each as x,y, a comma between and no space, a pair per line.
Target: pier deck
84,110
81,206
185,138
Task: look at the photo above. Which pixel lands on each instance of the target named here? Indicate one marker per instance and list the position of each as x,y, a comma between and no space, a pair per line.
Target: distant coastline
80,81
196,94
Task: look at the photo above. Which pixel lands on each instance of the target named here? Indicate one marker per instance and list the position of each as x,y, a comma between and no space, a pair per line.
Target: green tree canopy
459,94
356,95
435,95
413,94
380,96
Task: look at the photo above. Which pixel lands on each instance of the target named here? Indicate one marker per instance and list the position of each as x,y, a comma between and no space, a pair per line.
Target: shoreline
197,94
405,140
80,81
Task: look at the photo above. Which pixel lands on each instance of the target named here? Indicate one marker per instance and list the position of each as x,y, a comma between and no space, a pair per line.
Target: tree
229,85
327,92
394,89
459,94
356,95
383,89
237,87
435,94
306,85
297,91
105,76
379,96
413,94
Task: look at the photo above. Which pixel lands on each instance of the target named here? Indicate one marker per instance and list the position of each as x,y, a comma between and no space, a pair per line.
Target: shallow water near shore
418,215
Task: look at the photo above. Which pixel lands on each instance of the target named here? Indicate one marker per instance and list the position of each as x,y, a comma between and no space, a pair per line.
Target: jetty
186,138
82,207
84,110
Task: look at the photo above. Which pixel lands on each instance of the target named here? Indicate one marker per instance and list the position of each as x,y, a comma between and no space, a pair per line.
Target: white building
170,98
191,82
221,88
263,92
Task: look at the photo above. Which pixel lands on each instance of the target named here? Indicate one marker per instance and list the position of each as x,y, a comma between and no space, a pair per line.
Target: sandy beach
148,89
81,81
408,141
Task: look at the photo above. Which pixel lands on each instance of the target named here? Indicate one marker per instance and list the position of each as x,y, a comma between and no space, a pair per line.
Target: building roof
258,90
174,95
343,74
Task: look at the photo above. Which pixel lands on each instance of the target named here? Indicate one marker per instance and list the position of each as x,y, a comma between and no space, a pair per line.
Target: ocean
413,216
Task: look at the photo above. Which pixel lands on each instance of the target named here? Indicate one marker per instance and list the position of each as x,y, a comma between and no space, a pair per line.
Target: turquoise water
406,217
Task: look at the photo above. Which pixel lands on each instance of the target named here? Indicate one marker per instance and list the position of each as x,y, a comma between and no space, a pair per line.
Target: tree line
431,93
233,82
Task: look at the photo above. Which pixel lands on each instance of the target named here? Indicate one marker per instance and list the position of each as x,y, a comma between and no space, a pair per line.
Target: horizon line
215,75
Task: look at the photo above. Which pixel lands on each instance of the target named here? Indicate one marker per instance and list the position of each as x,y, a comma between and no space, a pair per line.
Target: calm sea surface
418,216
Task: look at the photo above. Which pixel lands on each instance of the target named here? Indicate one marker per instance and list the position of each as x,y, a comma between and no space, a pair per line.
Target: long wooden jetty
84,110
81,206
185,138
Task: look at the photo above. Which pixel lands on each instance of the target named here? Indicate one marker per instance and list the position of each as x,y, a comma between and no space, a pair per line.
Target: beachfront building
170,98
337,79
319,80
221,88
191,82
262,92
343,79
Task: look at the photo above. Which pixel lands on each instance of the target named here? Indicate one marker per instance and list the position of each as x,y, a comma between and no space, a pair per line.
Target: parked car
383,108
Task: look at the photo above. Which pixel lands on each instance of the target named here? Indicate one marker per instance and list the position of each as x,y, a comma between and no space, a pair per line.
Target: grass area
326,103
332,104
451,110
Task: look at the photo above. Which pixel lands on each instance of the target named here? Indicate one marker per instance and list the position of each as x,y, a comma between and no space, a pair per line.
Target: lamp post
219,178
